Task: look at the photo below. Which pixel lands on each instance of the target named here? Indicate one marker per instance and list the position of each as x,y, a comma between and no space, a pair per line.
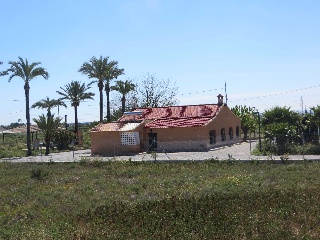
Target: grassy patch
127,200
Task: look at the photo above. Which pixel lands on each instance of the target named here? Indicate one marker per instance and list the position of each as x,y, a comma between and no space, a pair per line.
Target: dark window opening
223,134
238,131
231,133
212,135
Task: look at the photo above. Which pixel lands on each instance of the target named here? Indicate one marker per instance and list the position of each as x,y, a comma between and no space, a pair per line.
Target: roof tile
165,117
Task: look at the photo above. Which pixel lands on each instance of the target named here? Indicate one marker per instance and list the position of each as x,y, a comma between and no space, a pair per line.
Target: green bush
268,148
38,174
62,139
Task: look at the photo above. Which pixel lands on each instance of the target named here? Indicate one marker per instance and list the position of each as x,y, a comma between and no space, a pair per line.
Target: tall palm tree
76,92
98,68
48,104
27,72
112,73
124,88
48,124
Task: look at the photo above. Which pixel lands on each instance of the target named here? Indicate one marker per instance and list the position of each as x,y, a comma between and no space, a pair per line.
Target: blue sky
261,49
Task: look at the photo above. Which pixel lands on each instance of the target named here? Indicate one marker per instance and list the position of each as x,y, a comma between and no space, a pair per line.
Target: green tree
112,73
154,92
48,104
249,120
27,72
104,71
123,88
315,119
48,124
76,92
280,115
62,138
282,126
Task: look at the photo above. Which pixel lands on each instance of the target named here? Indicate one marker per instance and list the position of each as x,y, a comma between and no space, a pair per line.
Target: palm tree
48,124
27,72
98,69
48,104
112,72
76,92
124,88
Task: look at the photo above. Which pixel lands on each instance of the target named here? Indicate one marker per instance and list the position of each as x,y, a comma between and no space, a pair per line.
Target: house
172,128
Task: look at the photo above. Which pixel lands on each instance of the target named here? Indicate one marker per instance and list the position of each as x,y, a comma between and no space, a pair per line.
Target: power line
275,94
182,94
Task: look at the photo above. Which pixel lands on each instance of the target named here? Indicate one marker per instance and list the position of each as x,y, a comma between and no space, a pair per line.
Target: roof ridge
191,105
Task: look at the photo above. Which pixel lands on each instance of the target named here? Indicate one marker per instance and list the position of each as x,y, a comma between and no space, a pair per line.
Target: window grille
130,138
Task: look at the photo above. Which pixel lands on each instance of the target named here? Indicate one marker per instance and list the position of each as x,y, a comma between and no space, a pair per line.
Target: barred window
130,138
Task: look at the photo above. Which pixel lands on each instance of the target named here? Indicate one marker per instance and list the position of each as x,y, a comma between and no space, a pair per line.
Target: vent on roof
132,113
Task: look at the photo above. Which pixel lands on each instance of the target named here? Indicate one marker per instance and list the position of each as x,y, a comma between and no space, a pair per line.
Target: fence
280,147
275,148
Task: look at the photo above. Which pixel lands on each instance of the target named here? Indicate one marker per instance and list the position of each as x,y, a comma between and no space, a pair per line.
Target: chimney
220,100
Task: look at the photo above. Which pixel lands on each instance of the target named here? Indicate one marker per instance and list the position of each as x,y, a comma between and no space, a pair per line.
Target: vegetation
62,138
249,120
27,72
287,132
104,71
48,124
76,92
13,145
123,88
123,200
48,104
154,92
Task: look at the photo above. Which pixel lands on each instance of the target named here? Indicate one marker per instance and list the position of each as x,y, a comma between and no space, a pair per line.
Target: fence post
303,144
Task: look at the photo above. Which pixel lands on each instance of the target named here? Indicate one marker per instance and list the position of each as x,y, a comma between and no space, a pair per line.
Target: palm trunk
76,119
123,100
100,86
47,147
26,90
108,100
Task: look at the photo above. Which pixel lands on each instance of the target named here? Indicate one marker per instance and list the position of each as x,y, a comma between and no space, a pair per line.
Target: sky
266,52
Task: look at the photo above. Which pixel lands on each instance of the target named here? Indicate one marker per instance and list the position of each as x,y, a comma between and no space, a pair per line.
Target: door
153,141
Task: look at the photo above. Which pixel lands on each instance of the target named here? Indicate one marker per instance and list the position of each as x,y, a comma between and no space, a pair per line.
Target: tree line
281,127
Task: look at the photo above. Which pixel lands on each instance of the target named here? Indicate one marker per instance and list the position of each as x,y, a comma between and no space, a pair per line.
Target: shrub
62,139
38,174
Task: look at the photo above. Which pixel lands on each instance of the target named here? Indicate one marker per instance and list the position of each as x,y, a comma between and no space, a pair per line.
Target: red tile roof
114,126
178,122
207,110
166,117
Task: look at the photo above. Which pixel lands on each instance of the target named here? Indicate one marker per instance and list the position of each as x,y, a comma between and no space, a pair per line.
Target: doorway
153,141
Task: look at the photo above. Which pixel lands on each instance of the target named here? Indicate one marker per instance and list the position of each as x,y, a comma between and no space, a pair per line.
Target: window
130,138
238,131
231,133
212,135
223,134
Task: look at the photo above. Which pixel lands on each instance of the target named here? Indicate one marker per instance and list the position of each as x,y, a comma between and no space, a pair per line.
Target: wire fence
281,147
278,148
